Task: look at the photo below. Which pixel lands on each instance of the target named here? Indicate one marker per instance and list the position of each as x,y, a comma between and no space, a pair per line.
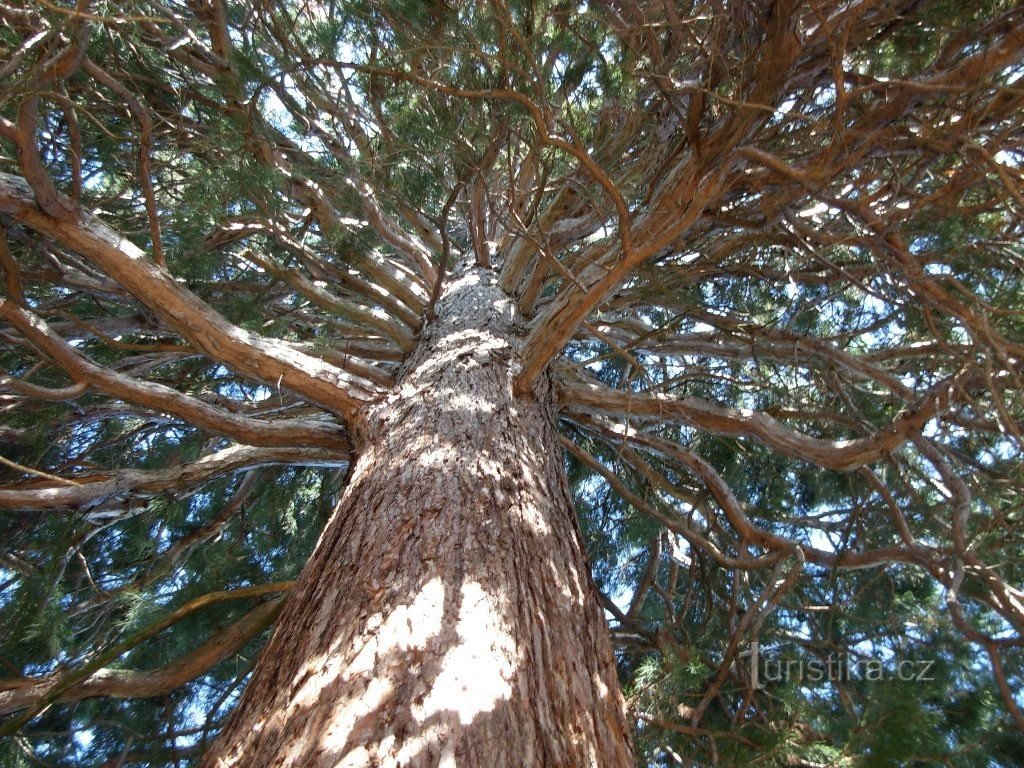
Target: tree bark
447,616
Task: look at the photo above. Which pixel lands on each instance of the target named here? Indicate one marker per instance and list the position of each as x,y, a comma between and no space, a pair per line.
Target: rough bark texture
447,616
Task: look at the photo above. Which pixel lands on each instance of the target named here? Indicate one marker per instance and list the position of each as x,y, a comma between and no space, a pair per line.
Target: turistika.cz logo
768,667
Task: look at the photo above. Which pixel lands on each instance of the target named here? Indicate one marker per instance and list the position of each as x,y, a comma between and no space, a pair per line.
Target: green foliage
789,270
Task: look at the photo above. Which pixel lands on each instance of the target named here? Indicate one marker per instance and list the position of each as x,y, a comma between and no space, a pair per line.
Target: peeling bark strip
447,616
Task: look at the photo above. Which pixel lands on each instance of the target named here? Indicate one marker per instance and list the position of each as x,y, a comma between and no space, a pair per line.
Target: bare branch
162,398
93,489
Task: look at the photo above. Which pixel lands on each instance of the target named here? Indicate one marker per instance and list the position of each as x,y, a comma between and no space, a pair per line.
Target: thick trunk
447,616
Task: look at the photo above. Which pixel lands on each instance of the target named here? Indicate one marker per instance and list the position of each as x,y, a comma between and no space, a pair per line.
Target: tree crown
766,254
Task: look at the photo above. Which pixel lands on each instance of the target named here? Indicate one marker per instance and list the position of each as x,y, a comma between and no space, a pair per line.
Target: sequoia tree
570,357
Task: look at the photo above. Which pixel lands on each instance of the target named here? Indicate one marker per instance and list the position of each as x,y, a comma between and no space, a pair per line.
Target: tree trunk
447,616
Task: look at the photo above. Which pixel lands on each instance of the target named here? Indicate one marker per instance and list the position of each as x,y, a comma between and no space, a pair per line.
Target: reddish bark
447,616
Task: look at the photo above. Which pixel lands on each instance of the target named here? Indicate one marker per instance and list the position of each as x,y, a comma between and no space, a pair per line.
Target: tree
466,326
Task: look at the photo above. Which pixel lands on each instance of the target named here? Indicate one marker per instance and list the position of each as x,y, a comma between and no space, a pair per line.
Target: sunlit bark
447,616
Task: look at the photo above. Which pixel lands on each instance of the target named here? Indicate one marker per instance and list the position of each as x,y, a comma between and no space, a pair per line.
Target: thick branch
255,356
94,489
840,455
131,684
69,681
162,398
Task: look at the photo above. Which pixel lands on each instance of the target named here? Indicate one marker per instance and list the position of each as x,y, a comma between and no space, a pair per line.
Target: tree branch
162,398
262,359
839,455
97,488
19,694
